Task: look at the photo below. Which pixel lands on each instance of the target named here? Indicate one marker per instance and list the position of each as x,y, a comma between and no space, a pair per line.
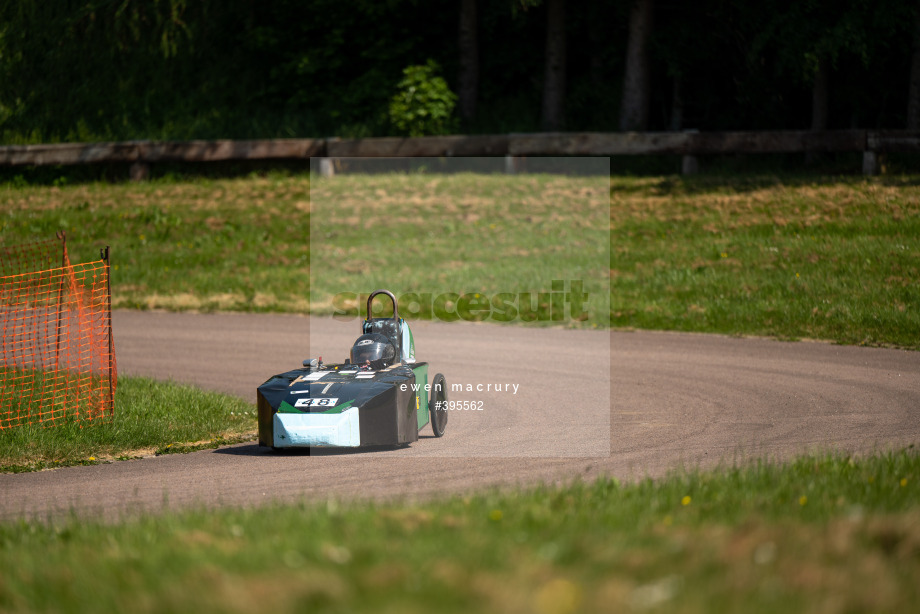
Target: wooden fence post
870,163
326,167
139,171
689,165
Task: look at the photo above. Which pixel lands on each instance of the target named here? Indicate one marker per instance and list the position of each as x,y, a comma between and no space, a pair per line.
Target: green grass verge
826,258
824,533
150,418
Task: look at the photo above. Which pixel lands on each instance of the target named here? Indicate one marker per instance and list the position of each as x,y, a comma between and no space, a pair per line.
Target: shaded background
172,69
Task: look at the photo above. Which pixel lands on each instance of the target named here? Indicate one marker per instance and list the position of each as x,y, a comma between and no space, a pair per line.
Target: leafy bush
423,104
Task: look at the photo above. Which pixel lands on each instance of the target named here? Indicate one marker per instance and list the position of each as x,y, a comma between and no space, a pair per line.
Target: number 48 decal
324,402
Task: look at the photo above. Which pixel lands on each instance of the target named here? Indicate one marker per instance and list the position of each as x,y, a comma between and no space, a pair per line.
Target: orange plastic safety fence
57,360
35,256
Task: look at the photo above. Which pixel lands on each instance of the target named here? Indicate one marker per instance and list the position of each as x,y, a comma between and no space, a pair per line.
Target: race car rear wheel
437,405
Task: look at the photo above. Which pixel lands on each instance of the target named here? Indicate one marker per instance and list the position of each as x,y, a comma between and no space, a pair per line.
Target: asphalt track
569,404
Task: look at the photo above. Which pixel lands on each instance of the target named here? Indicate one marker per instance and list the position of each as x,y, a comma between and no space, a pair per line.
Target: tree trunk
598,33
554,74
468,81
819,98
635,102
913,99
818,107
677,106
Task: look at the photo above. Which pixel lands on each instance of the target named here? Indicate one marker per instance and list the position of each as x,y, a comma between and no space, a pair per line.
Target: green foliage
768,53
95,69
424,104
174,69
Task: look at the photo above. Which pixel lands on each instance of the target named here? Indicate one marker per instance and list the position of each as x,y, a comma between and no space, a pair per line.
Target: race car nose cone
319,430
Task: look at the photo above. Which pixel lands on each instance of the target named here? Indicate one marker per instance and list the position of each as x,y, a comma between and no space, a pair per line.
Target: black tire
437,405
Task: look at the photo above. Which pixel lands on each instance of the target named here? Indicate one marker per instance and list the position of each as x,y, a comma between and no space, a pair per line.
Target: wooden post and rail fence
140,155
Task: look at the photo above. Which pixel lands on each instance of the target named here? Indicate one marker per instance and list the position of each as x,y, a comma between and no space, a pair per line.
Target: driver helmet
375,348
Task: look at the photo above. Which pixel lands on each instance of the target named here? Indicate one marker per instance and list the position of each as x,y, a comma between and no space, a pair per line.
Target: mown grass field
826,258
834,258
464,234
822,534
233,244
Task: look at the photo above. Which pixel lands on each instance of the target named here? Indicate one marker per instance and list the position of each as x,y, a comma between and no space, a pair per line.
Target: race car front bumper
316,429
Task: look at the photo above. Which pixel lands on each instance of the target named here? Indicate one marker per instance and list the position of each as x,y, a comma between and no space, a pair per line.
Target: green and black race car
380,395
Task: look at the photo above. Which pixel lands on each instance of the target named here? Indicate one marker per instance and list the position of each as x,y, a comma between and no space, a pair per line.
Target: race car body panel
343,405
